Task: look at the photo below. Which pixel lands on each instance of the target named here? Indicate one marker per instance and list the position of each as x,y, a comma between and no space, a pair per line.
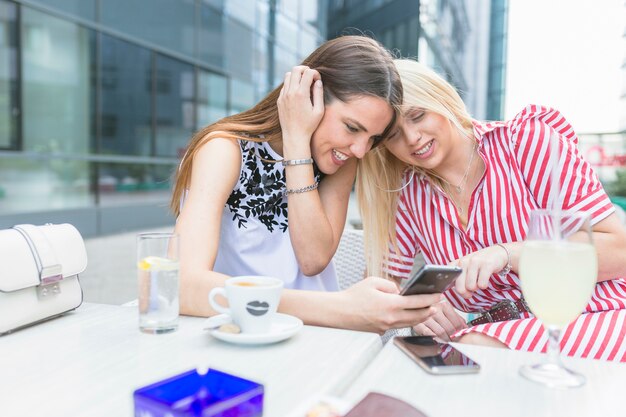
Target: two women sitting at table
265,192
460,191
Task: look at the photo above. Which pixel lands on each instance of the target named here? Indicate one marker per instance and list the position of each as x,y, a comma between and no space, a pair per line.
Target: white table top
89,362
497,390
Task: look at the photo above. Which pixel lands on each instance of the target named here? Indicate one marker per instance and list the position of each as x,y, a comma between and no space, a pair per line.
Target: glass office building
432,31
98,98
463,40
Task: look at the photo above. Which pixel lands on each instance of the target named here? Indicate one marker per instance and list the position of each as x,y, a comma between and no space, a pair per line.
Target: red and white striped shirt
516,180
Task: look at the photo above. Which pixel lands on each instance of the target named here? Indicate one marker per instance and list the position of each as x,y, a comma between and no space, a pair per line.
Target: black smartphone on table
430,279
434,357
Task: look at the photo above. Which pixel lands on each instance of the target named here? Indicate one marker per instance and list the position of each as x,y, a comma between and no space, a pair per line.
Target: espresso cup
252,301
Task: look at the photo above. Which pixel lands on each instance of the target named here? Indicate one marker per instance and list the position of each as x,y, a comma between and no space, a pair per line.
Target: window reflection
286,33
29,185
289,8
242,96
309,15
261,67
242,11
239,45
175,95
82,8
217,4
285,60
211,37
8,76
166,23
212,94
126,84
122,184
308,43
57,59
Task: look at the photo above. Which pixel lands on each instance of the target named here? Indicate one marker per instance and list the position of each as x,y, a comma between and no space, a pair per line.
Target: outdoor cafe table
89,362
497,390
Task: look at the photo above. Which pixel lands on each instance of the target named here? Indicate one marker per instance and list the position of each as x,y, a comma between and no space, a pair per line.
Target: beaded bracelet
288,162
303,189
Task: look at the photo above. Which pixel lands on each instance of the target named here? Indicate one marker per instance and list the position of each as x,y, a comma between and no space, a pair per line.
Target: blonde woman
460,191
265,192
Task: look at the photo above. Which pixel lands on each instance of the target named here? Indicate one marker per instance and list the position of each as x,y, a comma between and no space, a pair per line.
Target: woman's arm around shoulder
215,170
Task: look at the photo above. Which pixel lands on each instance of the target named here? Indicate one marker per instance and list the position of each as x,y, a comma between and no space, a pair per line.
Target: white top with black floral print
254,237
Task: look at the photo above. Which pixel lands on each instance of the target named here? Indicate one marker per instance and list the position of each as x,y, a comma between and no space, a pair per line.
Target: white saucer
283,327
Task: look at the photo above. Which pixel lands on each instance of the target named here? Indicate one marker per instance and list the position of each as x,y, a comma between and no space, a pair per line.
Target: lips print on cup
257,308
252,301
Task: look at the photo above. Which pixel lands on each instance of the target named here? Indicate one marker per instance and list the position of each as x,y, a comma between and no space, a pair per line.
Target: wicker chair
350,267
350,258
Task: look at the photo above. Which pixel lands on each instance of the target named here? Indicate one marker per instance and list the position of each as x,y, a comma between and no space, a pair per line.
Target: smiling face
424,139
348,130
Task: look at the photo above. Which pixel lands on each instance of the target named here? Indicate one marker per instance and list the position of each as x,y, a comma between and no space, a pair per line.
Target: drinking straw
553,199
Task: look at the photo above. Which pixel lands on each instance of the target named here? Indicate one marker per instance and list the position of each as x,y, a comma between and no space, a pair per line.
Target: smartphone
431,279
434,357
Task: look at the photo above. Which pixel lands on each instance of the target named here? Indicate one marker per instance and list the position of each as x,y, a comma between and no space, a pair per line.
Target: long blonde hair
350,66
380,173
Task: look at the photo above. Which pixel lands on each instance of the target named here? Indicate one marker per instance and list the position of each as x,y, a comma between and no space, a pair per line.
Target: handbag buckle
44,291
50,277
51,274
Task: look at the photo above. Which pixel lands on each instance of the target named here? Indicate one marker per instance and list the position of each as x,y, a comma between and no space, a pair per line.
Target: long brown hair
350,66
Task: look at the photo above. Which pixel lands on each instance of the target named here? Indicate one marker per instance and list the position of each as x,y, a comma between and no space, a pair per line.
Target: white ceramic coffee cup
252,299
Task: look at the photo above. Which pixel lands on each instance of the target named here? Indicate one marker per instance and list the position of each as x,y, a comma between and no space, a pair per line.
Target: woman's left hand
478,267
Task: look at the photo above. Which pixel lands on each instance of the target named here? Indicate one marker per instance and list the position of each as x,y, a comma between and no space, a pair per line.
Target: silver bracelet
303,189
507,268
289,162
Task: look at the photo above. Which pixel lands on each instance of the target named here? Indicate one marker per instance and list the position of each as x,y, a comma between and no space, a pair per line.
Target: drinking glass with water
157,269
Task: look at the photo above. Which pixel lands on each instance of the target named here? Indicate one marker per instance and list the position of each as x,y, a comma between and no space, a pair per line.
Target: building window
125,98
239,47
211,37
57,62
212,98
166,23
286,33
123,184
242,96
175,105
85,9
31,185
9,84
284,61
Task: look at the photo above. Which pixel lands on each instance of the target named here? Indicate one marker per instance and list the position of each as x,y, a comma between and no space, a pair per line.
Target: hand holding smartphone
436,358
431,279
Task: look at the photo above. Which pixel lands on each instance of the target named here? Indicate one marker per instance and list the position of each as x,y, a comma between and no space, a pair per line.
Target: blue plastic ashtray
214,394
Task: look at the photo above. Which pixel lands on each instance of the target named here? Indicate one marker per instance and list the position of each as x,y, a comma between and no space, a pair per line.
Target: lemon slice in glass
156,263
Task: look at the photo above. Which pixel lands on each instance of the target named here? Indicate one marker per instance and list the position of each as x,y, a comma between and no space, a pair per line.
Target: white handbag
39,274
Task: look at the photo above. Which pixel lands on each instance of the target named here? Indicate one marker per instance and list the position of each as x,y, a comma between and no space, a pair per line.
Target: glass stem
554,351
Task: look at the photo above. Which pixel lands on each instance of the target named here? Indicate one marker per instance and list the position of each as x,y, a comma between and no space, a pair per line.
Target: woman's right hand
300,109
374,305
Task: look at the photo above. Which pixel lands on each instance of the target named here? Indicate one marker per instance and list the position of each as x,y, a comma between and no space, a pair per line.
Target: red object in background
604,159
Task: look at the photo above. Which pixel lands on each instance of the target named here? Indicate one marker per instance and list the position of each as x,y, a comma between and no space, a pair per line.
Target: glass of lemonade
157,270
558,269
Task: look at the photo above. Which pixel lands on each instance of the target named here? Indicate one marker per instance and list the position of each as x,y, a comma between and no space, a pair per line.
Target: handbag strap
50,270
